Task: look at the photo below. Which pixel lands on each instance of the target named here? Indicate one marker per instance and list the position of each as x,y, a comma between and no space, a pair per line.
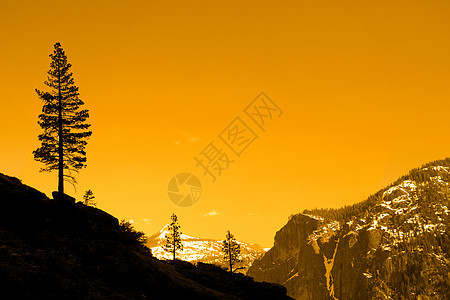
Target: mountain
202,250
394,245
59,249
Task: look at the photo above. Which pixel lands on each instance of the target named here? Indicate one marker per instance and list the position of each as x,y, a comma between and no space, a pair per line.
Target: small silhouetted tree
138,236
231,250
88,198
173,239
63,122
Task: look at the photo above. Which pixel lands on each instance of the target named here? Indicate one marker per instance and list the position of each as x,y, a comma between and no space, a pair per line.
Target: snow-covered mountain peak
161,235
201,250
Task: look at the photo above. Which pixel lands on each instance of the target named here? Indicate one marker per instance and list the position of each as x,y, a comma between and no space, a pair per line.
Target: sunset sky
364,87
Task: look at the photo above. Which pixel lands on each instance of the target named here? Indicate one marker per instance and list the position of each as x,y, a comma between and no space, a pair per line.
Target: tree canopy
63,121
231,250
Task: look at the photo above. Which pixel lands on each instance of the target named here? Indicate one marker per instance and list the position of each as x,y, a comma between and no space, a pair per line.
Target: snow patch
314,217
290,278
328,267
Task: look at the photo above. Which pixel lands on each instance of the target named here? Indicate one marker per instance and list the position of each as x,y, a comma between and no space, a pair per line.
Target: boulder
65,197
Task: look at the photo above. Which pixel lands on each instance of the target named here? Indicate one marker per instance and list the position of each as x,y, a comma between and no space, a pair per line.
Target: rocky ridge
394,245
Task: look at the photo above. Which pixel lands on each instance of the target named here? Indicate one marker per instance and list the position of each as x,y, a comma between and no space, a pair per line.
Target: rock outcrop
294,261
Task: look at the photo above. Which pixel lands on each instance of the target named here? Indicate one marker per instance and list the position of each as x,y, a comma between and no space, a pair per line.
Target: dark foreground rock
62,250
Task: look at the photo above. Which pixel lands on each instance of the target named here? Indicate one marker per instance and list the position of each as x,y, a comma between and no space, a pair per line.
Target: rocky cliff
394,245
65,250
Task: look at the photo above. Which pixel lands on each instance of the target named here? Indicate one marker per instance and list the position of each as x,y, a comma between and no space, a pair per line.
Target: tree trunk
174,249
60,141
231,263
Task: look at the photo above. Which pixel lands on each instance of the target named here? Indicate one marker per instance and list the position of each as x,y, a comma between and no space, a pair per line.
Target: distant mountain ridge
394,245
202,250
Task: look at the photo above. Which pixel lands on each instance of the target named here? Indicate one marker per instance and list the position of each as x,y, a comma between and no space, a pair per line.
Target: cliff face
294,261
291,256
395,245
64,250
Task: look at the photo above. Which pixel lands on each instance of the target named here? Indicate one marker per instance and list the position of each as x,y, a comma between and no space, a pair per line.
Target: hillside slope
394,245
202,250
63,250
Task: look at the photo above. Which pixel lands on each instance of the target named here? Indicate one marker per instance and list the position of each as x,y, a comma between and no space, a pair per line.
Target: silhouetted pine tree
173,240
63,121
88,198
231,250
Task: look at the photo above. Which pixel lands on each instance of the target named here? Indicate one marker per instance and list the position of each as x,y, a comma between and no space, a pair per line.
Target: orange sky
364,87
